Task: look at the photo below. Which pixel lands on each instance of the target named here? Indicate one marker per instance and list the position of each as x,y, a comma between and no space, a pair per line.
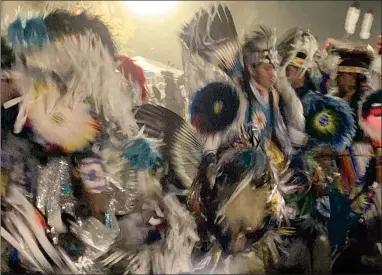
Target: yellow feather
247,210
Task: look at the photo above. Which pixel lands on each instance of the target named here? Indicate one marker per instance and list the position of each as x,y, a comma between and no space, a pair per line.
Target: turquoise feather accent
16,33
141,154
36,33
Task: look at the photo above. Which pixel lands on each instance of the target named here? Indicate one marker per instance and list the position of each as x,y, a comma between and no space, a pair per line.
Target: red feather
130,70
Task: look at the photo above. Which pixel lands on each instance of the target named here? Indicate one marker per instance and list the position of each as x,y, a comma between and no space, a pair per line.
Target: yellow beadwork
218,107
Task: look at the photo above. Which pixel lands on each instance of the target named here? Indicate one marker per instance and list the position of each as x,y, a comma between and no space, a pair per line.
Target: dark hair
354,100
62,22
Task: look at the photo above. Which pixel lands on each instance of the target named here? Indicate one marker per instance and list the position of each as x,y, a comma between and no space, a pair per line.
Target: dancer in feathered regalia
96,181
345,194
72,154
364,248
229,163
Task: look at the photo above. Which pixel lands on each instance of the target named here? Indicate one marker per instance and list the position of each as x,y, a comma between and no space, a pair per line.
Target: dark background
156,37
324,18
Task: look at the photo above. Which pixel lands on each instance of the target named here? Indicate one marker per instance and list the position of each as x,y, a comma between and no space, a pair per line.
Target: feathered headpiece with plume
298,48
349,57
260,47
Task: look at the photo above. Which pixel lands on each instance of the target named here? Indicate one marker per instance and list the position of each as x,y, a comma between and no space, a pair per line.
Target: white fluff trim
89,72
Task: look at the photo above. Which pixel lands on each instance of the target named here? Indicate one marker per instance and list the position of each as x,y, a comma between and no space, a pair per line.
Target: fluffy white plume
366,25
90,75
351,20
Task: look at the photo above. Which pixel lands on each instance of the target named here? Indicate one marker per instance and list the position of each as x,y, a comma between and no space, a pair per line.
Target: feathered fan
182,148
329,121
211,34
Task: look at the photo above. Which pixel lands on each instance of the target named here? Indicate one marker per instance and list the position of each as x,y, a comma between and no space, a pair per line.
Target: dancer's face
265,75
346,83
295,76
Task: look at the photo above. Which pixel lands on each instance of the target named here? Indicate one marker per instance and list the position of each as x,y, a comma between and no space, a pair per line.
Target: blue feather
16,33
236,69
338,224
14,256
36,33
141,154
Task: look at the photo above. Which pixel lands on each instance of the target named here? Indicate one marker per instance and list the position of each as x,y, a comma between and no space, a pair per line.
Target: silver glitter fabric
52,190
122,179
92,232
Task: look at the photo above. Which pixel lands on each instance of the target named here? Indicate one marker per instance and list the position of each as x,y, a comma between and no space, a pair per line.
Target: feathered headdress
353,58
260,47
38,31
298,48
211,34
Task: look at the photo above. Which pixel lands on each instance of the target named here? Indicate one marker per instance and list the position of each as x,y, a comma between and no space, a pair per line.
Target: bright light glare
150,7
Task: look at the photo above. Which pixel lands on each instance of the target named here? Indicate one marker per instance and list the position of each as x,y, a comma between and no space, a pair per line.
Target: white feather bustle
28,233
293,109
129,184
374,79
171,255
363,152
89,72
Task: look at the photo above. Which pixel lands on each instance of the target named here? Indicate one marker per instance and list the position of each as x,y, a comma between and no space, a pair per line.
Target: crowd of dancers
277,168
